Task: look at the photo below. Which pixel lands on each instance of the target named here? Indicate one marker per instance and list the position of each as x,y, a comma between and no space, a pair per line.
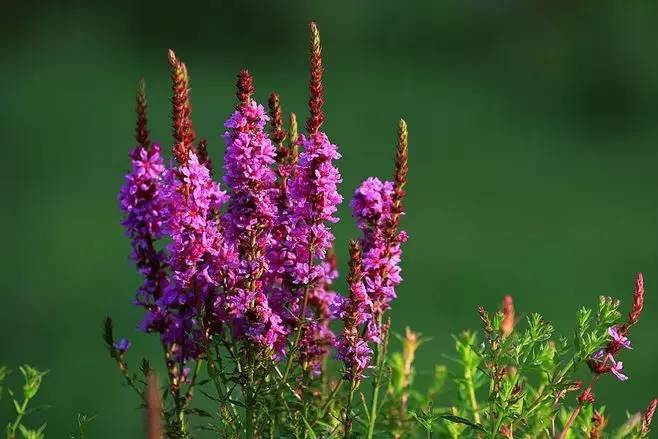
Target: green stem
379,350
468,375
497,425
576,411
249,399
302,316
548,388
195,374
327,403
348,409
249,422
11,431
298,336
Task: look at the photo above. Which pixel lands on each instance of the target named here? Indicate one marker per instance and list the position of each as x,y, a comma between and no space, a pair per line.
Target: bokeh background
534,149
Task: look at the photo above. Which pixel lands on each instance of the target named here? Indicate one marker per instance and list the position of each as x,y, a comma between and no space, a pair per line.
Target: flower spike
352,346
141,128
183,131
638,301
276,120
648,417
316,99
293,135
400,176
507,325
202,152
245,87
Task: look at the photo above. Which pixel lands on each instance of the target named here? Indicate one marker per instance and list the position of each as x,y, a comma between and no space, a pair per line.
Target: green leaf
199,412
309,428
459,420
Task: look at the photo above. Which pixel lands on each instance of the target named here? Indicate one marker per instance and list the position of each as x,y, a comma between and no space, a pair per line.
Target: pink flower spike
619,338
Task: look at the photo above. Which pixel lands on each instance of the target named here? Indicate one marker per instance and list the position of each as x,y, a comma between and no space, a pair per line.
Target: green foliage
515,380
32,381
3,374
83,422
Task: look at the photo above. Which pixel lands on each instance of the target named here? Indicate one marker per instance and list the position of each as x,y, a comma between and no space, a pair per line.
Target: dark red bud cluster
245,87
141,127
648,416
316,99
587,397
183,130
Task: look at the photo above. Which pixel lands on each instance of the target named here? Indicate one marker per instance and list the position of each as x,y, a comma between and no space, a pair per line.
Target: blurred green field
534,149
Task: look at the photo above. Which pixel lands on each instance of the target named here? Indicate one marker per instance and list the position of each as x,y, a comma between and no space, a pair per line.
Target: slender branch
379,360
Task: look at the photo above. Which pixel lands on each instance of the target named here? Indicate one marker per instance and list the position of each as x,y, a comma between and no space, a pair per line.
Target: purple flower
248,224
193,201
298,265
619,338
600,354
372,206
249,175
315,343
312,200
358,323
122,345
616,368
317,337
254,320
372,203
145,211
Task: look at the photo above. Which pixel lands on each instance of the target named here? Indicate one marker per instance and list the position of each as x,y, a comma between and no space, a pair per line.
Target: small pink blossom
616,368
619,338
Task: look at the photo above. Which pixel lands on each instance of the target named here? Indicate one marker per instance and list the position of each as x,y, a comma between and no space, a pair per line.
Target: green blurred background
534,135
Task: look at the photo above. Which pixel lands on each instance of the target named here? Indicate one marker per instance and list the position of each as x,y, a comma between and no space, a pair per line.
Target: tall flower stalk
311,202
377,206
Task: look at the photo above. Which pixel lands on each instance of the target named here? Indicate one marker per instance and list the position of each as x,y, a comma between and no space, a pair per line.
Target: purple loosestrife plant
193,201
144,208
249,220
239,275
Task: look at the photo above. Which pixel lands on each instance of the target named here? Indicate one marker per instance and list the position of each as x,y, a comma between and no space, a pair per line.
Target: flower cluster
356,312
141,200
240,283
249,220
246,267
603,360
193,201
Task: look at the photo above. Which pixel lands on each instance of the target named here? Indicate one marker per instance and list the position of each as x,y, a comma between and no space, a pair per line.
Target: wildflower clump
240,284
